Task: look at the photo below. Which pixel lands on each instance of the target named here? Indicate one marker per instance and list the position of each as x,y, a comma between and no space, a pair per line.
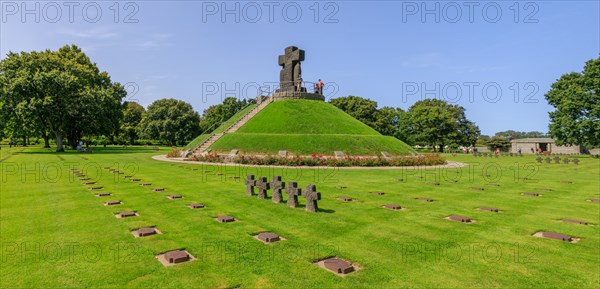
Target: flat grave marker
556,236
575,222
337,266
461,219
392,207
174,197
533,194
428,200
225,219
268,237
489,209
175,257
112,203
196,206
345,199
126,214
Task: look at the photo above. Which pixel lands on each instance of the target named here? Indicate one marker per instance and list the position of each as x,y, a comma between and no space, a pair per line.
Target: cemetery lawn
303,127
56,233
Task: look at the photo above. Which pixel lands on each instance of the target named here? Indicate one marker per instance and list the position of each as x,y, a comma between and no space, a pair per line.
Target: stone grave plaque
489,209
531,194
378,193
555,236
460,219
338,266
196,206
112,203
477,188
103,194
177,256
173,197
424,199
345,199
225,219
282,154
575,222
159,189
392,207
126,214
143,232
268,237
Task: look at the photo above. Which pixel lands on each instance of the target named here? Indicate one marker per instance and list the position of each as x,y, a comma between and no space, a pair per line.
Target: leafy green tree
61,92
498,142
133,113
170,120
360,108
511,134
435,122
576,97
216,114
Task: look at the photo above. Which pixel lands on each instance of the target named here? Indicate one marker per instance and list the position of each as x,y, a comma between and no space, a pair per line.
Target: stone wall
297,95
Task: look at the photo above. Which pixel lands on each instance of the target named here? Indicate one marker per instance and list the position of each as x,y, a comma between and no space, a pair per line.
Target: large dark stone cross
291,70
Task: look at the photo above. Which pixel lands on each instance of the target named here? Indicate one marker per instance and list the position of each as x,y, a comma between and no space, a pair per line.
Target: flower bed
320,160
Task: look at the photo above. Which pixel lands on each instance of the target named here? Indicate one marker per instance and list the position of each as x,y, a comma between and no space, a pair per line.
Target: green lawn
306,144
55,233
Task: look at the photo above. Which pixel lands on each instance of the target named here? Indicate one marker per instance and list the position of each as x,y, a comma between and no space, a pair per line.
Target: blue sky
495,58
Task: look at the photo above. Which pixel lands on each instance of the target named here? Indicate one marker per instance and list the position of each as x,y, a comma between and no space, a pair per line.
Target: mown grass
305,117
55,233
221,128
303,127
306,144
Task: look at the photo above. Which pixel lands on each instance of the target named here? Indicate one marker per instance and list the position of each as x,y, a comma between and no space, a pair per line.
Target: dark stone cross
263,185
250,182
277,185
291,70
312,196
293,192
576,161
548,160
556,160
566,161
539,160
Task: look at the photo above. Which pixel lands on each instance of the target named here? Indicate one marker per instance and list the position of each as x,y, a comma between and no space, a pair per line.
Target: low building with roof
546,144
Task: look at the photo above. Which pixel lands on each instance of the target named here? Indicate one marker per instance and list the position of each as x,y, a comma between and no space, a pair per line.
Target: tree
511,134
61,92
170,120
576,97
498,142
133,113
216,114
435,122
360,108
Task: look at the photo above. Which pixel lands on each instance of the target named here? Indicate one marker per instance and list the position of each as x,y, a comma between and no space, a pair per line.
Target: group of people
318,87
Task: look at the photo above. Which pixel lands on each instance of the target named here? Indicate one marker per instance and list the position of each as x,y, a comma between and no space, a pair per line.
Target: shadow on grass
95,150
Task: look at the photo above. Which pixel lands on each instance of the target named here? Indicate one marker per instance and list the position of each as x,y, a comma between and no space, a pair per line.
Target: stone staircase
204,145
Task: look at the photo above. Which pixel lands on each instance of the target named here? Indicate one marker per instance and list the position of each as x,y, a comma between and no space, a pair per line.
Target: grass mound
304,127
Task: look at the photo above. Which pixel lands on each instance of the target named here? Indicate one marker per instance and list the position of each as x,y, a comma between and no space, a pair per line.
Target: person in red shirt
320,84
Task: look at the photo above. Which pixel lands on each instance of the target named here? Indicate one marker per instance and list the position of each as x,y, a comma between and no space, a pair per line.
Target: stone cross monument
291,71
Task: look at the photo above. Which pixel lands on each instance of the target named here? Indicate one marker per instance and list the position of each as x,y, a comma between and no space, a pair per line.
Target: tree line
62,95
